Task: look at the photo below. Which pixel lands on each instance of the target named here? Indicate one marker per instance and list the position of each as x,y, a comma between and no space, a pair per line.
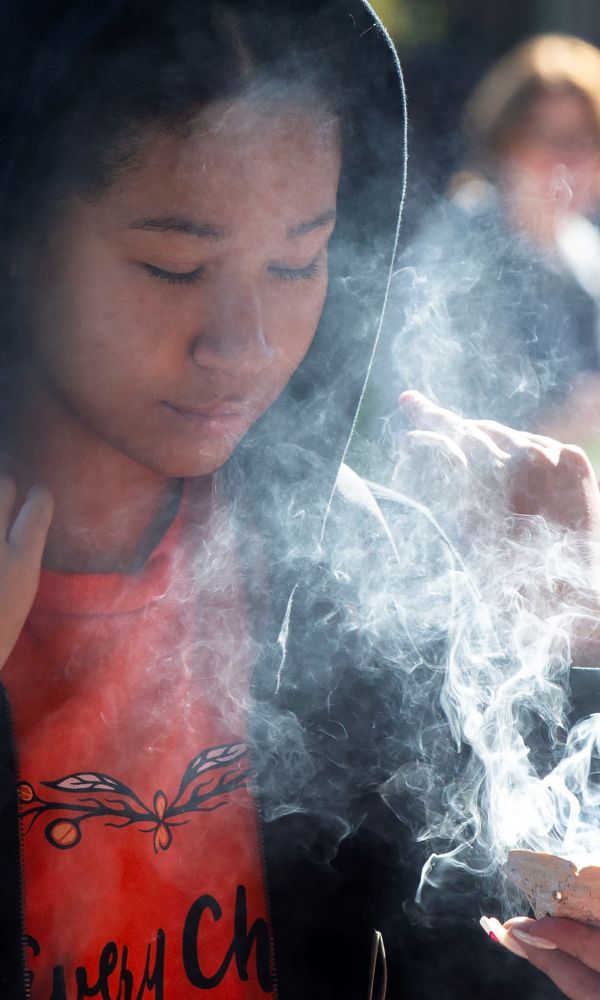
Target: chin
190,466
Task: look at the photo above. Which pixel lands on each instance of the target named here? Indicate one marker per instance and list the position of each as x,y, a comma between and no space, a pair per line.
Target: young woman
171,182
199,216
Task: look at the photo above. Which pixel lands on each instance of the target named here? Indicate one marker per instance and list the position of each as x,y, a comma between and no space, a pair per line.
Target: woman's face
553,164
171,311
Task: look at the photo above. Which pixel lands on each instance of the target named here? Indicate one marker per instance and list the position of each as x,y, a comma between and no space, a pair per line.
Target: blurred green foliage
414,22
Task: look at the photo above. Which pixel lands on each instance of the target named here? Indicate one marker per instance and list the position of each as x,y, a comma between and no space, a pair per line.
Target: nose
232,337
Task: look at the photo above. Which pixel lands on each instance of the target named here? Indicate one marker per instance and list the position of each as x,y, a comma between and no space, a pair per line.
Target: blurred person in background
498,295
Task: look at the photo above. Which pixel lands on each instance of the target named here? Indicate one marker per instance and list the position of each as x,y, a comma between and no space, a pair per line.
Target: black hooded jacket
327,721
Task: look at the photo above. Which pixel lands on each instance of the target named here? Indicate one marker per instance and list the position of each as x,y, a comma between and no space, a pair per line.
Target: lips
220,419
222,409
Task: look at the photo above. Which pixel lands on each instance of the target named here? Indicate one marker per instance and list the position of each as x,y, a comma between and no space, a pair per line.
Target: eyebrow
317,223
177,224
206,231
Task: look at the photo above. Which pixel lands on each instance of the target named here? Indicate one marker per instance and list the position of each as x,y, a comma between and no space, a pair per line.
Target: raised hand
495,480
537,474
22,541
566,950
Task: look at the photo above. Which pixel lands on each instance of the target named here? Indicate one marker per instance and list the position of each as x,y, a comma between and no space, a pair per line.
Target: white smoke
500,762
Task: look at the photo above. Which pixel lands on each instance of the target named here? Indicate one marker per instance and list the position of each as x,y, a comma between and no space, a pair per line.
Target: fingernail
533,939
410,397
405,398
494,929
37,490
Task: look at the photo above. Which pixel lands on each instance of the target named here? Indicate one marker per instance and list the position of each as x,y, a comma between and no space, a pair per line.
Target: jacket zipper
21,873
263,868
263,859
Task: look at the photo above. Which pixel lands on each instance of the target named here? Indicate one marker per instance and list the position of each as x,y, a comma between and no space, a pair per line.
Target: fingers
509,442
469,435
425,414
571,976
573,964
520,442
30,527
441,443
566,951
533,473
538,445
501,441
419,410
21,549
580,941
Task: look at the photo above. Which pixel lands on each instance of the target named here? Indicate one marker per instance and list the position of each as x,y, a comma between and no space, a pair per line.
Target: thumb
29,531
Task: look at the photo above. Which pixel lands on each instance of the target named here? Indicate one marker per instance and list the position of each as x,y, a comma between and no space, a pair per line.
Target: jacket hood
284,471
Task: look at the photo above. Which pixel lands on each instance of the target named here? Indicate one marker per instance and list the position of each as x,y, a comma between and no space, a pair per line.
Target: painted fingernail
409,398
484,922
494,929
533,939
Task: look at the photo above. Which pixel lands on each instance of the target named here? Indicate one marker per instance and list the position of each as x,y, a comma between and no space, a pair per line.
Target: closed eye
297,273
174,277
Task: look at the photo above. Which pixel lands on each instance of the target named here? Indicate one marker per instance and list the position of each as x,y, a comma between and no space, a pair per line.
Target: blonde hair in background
544,65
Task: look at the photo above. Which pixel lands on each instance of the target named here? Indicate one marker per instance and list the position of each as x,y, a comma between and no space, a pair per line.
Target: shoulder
380,513
356,524
356,493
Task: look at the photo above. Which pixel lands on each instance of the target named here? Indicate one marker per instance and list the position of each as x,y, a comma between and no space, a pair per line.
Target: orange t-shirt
142,862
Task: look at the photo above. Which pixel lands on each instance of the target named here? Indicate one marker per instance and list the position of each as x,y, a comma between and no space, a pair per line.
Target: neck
110,511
